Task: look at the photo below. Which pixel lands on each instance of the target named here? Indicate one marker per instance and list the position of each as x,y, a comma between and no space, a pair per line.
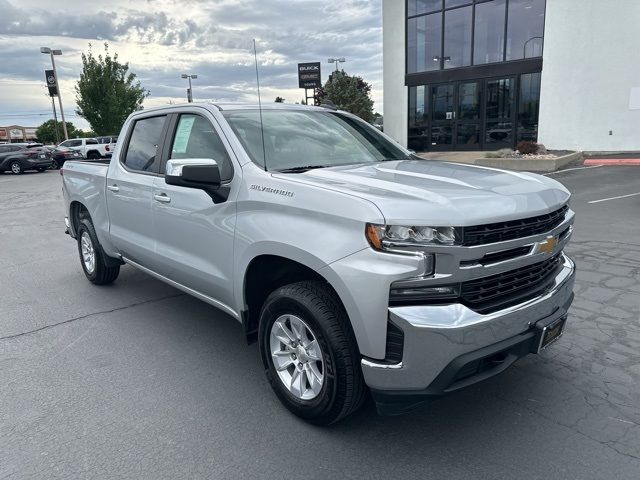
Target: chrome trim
179,286
174,167
416,314
384,366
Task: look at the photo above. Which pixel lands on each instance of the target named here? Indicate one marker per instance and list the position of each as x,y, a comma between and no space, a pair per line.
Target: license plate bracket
550,333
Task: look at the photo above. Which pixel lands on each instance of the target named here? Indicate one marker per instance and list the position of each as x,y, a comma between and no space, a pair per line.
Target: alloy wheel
88,252
297,357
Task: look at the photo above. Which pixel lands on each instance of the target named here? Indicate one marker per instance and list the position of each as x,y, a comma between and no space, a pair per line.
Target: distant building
485,74
16,133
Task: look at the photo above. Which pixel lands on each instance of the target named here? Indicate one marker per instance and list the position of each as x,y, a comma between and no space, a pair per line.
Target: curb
526,165
612,161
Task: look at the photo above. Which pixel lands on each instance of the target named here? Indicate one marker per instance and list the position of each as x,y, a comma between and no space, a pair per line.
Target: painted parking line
614,198
571,169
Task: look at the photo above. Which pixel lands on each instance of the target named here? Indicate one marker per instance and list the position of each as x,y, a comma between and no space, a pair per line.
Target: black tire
54,165
101,274
93,155
16,167
343,390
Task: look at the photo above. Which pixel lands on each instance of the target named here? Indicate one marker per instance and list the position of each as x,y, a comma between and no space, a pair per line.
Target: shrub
527,147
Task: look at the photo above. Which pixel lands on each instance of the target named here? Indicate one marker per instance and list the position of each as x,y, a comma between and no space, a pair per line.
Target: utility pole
51,52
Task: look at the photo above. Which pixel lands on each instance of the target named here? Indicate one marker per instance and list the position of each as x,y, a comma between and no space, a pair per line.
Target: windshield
299,139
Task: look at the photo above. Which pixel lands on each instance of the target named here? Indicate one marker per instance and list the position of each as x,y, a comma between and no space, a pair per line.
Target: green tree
350,93
107,92
279,100
46,133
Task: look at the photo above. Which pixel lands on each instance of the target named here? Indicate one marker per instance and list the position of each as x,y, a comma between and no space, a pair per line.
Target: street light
524,47
49,51
336,61
189,92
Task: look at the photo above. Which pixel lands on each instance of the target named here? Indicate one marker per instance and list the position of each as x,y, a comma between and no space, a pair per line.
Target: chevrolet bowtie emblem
548,245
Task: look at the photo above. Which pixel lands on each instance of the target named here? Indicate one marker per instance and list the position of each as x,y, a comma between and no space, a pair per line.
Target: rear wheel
16,168
310,356
93,155
92,257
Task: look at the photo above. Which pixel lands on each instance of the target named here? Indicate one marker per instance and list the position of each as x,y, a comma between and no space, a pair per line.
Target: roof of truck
240,106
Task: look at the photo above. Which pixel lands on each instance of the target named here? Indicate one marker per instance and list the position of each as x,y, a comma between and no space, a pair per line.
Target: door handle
161,197
113,188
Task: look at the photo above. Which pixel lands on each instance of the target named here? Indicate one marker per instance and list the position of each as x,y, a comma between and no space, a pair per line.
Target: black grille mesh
493,293
502,231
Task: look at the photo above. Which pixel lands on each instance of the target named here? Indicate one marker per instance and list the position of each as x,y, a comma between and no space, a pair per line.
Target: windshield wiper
301,169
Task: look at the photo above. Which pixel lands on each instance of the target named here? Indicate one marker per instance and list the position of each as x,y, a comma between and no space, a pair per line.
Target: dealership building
486,74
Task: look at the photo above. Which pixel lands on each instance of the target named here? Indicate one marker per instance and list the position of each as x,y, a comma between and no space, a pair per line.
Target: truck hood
420,192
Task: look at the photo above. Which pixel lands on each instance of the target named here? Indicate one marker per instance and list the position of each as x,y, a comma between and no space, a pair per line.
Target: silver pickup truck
356,266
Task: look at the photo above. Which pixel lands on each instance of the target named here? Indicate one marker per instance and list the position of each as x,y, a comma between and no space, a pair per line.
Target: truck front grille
502,231
496,292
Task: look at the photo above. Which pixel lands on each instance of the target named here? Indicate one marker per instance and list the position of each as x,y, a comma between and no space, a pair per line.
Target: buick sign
309,75
51,82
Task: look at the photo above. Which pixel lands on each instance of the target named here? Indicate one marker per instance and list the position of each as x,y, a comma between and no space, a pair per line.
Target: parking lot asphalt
137,380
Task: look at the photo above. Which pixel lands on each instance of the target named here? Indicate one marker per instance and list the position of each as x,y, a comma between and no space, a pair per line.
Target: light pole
524,47
51,52
190,91
336,61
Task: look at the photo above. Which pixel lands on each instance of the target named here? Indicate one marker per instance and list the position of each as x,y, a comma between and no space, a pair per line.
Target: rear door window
92,141
142,153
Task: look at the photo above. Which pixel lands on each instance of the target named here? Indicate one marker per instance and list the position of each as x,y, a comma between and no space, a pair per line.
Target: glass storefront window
424,43
489,32
418,7
529,105
468,134
418,117
525,29
498,135
469,101
500,98
456,3
457,37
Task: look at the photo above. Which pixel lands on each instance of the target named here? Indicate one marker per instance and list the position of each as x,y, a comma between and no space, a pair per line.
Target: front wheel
92,258
16,168
54,165
310,356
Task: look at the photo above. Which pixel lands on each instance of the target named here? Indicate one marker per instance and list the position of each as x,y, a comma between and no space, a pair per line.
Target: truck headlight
408,239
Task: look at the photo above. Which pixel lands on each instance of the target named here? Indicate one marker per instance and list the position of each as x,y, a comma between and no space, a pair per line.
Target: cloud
213,38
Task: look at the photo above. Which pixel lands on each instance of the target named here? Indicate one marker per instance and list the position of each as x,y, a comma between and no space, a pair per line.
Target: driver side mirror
199,173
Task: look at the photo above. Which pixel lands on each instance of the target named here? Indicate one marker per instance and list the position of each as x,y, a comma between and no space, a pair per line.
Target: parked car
352,263
379,123
18,158
88,147
109,144
59,155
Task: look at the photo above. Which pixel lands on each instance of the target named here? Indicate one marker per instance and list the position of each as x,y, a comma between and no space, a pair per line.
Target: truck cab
357,266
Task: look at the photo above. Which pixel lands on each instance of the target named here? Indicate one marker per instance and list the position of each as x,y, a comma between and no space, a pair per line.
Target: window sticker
182,134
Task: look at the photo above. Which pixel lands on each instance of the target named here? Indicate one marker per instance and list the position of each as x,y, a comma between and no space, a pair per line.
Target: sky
161,39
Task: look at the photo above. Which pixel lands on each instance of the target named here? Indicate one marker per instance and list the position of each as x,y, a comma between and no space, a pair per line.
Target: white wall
395,108
591,63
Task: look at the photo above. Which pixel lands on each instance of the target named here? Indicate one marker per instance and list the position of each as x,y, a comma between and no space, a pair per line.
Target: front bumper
439,340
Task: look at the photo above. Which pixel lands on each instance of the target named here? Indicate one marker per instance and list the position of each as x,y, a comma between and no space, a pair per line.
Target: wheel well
265,274
77,212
